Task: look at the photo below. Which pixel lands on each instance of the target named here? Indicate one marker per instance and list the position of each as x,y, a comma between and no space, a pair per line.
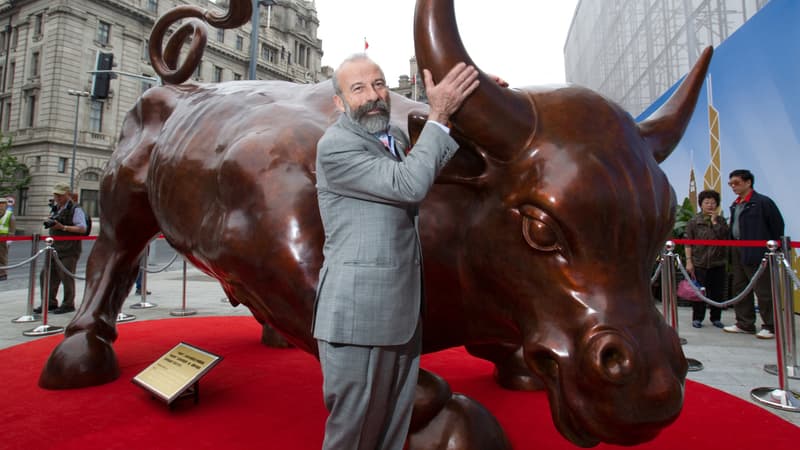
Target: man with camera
66,219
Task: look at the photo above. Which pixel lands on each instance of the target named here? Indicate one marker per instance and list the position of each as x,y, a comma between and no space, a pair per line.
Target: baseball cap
60,188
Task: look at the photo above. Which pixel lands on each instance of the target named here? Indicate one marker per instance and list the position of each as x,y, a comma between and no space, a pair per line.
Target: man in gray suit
367,312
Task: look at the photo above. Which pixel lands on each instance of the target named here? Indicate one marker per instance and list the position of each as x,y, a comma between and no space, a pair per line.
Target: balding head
361,93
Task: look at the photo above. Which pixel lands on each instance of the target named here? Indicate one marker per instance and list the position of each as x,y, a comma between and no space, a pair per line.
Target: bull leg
85,356
510,370
443,420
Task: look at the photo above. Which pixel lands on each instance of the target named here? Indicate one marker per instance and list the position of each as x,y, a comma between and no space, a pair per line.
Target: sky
520,40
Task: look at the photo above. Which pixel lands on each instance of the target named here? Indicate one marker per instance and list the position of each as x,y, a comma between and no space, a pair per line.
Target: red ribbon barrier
55,238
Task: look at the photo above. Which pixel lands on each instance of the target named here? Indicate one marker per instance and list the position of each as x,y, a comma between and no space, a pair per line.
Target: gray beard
374,124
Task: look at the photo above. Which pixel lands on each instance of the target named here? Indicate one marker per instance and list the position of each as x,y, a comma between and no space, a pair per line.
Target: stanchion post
669,297
182,311
144,303
30,316
44,329
780,397
792,370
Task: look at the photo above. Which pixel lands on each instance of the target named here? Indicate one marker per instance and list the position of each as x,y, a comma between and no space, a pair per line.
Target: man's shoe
765,334
718,324
3,277
735,329
139,292
38,310
697,324
64,309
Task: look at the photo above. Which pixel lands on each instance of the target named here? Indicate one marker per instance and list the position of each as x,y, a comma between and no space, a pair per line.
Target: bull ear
663,129
468,166
416,122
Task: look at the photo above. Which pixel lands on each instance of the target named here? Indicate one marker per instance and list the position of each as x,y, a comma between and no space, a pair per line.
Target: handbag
686,292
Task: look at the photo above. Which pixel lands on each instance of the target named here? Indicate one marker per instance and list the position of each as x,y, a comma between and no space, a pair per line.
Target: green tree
13,174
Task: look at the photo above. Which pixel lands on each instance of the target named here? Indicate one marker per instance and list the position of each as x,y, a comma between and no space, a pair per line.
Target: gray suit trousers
369,393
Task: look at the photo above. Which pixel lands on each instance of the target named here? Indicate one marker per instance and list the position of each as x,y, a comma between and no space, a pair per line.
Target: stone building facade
48,47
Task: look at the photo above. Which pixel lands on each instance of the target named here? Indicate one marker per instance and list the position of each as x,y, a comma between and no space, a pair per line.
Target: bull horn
663,129
439,48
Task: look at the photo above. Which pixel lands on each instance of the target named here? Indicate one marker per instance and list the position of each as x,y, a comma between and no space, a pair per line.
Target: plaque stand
177,373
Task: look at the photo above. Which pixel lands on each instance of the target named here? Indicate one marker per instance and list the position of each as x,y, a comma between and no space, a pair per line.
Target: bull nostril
611,356
616,363
545,365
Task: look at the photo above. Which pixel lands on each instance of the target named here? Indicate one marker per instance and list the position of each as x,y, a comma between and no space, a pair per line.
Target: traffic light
101,81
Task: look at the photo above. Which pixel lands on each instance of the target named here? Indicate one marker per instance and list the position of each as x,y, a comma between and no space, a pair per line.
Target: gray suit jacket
370,284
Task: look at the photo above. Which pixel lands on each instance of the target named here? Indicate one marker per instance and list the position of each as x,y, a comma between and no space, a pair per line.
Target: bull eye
540,230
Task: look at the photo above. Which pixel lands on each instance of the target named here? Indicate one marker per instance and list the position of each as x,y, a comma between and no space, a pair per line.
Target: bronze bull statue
538,238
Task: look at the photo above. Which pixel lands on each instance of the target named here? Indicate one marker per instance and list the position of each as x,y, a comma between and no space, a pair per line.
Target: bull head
570,190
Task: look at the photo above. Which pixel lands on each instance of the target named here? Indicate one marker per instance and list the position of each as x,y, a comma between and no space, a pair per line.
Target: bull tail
165,62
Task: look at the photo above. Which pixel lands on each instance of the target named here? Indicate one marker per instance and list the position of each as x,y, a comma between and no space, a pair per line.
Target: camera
49,223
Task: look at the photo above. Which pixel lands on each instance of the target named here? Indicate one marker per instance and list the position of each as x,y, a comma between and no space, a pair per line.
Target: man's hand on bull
447,96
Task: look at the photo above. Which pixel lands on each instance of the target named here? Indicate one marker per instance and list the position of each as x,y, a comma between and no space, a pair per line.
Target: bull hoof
463,424
80,360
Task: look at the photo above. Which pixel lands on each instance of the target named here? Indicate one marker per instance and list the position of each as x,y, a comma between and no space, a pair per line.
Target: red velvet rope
730,243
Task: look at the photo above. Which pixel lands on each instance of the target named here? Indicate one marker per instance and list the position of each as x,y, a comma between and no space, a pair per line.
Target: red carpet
259,397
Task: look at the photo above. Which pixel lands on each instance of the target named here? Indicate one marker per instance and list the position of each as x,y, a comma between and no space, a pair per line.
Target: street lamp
254,33
78,95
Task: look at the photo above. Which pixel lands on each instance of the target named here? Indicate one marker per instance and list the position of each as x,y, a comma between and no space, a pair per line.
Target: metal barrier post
144,303
30,316
44,329
182,311
780,397
669,297
668,302
792,370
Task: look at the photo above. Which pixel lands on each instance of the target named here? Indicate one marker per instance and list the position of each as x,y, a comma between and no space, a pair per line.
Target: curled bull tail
165,59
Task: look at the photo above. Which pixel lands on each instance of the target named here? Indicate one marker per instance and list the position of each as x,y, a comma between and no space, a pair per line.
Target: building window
237,76
21,205
239,42
7,117
37,24
220,35
62,165
37,166
3,39
146,50
96,116
14,38
268,53
152,5
89,202
11,69
35,65
103,32
198,71
217,77
146,84
30,113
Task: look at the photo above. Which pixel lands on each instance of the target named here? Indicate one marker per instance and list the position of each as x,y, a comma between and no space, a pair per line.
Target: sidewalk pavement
732,362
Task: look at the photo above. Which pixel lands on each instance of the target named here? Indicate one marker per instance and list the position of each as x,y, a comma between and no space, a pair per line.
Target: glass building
633,50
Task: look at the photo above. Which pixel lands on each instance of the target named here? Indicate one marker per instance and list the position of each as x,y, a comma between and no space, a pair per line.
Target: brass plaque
177,370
